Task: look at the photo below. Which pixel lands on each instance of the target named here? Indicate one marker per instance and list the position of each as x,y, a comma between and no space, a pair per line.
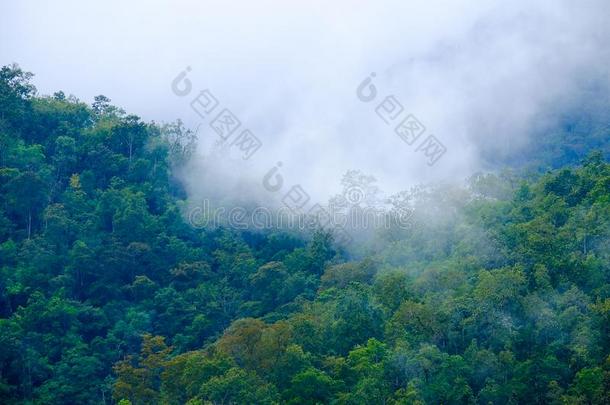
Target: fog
481,76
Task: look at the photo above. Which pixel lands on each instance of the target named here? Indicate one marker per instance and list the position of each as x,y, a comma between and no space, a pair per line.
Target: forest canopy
499,292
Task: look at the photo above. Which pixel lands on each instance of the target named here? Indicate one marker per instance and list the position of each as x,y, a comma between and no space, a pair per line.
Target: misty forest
498,292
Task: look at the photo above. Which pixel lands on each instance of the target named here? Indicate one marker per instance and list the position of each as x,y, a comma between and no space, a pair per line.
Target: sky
481,76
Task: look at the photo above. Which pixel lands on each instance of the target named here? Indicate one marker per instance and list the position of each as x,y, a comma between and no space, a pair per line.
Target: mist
482,77
290,202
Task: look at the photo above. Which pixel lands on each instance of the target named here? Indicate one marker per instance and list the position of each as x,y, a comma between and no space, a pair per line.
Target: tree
139,380
27,194
238,386
311,386
15,94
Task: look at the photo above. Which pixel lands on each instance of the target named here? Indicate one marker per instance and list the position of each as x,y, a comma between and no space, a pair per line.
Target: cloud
482,76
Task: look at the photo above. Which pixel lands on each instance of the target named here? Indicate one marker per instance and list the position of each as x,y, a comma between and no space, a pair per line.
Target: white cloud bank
478,74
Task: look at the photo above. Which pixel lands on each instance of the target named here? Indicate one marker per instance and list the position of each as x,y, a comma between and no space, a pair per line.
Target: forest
499,292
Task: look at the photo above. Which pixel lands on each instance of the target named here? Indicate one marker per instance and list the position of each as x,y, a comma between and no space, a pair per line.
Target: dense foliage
499,293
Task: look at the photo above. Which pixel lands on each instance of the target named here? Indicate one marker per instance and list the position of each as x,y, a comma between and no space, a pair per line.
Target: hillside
499,292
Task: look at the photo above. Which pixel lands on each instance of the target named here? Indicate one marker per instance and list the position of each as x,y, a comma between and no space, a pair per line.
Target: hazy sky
478,74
